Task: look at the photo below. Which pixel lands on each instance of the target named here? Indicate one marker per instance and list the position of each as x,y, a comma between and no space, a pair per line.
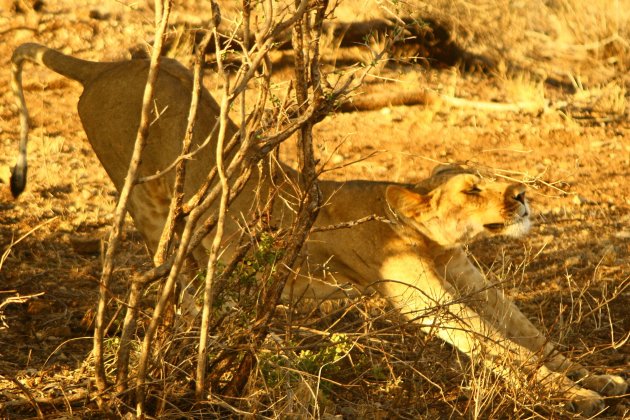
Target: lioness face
462,207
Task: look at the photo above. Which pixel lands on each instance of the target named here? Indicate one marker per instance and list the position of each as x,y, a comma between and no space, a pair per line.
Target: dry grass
359,360
539,34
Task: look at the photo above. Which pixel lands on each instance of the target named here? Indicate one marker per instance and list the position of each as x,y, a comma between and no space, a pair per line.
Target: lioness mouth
494,226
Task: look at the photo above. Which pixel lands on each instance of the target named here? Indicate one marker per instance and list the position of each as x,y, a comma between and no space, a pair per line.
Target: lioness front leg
492,304
434,303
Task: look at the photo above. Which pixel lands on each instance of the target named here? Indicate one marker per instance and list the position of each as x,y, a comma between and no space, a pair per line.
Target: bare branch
352,223
29,395
175,210
129,325
121,207
309,204
218,235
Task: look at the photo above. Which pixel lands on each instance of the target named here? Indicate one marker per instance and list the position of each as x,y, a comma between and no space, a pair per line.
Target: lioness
415,261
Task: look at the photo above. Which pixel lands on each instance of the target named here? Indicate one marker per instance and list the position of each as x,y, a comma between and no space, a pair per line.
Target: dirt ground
570,275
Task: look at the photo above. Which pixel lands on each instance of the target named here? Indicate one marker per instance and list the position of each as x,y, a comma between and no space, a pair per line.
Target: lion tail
70,67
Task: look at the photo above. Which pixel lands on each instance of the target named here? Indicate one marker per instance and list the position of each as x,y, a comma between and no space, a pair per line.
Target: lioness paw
609,385
586,402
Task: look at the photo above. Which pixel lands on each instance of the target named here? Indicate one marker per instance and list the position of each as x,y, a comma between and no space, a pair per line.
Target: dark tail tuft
18,179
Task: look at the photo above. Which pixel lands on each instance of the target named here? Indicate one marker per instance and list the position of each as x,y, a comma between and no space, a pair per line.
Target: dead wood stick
17,299
175,209
129,325
521,106
200,385
375,101
181,254
28,394
175,212
121,207
81,395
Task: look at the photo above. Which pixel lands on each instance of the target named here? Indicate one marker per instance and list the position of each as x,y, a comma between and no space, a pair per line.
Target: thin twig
352,223
178,159
28,394
218,235
7,251
121,207
11,300
80,395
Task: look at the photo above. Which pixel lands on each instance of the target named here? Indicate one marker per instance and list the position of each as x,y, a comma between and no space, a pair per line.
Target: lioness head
461,207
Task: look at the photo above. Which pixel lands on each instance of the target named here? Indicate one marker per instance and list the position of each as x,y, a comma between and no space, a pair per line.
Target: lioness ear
407,203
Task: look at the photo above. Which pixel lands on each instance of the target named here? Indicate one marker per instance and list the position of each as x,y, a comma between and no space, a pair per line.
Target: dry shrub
537,35
544,31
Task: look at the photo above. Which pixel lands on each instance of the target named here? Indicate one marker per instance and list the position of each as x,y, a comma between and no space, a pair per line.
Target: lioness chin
415,260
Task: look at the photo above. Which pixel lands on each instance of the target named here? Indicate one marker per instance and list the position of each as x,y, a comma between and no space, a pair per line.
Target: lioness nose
516,192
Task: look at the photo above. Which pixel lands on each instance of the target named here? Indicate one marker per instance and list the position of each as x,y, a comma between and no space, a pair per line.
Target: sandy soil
577,256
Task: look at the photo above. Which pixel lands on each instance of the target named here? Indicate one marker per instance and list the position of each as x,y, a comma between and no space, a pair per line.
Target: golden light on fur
480,207
415,261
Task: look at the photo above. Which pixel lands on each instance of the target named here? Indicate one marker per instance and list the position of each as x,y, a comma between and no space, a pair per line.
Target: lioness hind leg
149,206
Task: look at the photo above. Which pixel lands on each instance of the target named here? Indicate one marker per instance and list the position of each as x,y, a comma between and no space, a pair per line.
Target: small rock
65,227
336,159
581,200
5,174
609,255
37,306
571,261
624,234
58,332
99,14
85,245
547,239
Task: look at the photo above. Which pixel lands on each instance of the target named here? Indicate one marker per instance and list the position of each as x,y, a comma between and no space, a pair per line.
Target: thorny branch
352,223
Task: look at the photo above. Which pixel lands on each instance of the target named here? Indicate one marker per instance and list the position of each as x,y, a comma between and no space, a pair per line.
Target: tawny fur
415,261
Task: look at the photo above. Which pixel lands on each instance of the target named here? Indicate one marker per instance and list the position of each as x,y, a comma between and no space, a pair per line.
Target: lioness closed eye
415,261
